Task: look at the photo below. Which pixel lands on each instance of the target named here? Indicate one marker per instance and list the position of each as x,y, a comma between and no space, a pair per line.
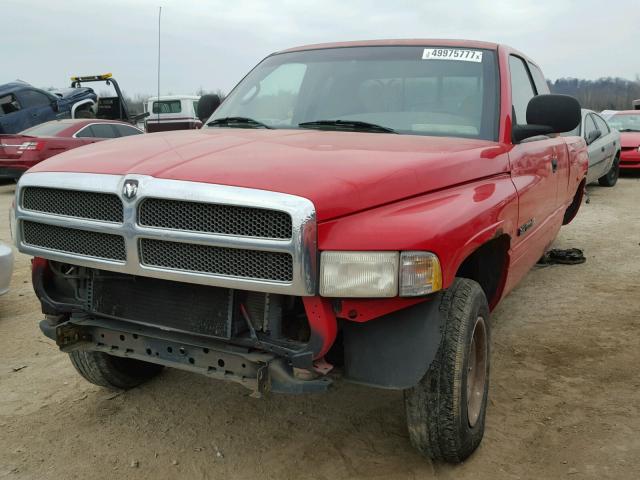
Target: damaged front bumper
258,371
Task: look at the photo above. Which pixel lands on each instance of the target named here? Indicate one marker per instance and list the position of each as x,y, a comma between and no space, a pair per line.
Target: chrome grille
231,262
191,232
73,203
70,240
214,218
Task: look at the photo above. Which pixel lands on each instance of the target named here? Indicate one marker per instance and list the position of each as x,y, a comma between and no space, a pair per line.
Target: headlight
379,274
359,274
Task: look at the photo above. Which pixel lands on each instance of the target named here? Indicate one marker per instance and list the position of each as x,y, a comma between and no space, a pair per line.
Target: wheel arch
81,103
487,265
573,208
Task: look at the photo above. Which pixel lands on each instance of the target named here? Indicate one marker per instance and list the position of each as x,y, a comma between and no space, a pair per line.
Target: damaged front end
209,278
266,342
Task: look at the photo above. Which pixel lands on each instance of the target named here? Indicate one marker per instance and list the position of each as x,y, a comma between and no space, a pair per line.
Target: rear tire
116,373
611,177
446,410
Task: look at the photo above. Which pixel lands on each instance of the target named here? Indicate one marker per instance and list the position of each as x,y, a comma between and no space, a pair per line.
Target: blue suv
23,106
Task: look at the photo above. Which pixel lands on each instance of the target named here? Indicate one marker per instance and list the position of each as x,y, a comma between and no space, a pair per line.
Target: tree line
602,94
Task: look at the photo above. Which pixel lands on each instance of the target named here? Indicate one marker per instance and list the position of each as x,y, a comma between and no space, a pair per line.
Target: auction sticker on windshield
452,54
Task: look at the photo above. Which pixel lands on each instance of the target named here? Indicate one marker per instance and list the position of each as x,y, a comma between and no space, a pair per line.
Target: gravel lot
565,391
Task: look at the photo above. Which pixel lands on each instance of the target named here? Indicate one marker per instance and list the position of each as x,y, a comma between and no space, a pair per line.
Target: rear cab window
167,106
542,87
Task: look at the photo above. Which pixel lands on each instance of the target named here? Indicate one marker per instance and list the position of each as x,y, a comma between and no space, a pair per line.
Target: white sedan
6,267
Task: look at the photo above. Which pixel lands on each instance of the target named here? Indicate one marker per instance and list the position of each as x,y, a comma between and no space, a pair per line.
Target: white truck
172,112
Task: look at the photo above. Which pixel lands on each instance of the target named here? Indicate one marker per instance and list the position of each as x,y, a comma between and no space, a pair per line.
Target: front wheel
611,177
446,410
113,372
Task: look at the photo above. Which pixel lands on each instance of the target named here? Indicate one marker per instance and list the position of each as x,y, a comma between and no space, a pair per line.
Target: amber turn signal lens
420,274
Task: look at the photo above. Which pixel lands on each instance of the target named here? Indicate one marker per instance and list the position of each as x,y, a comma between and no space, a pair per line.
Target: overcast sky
212,44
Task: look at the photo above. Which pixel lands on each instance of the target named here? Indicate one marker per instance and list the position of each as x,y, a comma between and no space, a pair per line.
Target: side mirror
548,114
55,106
593,136
207,105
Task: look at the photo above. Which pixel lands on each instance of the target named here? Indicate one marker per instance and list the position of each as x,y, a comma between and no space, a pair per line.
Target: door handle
554,165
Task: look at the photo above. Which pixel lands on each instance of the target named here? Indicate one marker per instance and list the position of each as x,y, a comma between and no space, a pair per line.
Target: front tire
116,373
446,409
611,177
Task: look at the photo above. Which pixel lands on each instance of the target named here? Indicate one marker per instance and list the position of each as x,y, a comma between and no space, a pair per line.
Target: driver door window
31,98
521,89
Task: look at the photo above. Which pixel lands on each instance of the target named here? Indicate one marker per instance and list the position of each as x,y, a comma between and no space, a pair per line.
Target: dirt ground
564,397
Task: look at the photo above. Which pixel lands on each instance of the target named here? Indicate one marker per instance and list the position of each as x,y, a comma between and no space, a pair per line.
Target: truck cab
172,112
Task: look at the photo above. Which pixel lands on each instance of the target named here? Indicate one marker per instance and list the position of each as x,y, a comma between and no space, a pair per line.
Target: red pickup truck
356,208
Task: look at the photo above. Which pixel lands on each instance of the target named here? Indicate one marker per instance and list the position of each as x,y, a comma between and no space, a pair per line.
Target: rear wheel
611,177
446,410
84,112
113,372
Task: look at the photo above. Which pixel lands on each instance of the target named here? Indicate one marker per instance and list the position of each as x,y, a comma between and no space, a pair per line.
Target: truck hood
340,172
629,139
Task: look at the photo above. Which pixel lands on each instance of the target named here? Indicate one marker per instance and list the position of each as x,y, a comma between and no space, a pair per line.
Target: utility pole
158,101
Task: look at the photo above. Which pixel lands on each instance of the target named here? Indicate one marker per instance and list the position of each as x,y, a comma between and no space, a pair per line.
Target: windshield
409,90
627,122
49,129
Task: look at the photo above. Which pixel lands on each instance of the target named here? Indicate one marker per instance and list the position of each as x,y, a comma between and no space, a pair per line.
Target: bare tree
602,94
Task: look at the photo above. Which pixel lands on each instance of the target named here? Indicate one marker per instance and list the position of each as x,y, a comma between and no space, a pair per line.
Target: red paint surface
323,324
12,157
630,153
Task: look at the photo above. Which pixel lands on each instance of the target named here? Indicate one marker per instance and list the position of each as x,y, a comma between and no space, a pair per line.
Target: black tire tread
432,405
112,372
605,180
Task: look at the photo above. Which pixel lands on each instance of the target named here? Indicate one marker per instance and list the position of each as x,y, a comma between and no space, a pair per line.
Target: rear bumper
630,159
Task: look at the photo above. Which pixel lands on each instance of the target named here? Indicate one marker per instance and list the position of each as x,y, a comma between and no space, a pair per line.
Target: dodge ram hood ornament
130,189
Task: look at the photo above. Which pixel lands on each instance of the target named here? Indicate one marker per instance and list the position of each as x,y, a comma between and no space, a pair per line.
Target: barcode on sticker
452,54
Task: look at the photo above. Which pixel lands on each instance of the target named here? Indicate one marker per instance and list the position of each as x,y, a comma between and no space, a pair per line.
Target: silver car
6,267
604,148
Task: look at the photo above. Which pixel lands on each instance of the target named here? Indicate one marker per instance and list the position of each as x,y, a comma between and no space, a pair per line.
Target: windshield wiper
241,122
629,130
350,125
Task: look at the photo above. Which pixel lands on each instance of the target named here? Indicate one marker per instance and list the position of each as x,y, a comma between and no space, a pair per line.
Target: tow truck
107,108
